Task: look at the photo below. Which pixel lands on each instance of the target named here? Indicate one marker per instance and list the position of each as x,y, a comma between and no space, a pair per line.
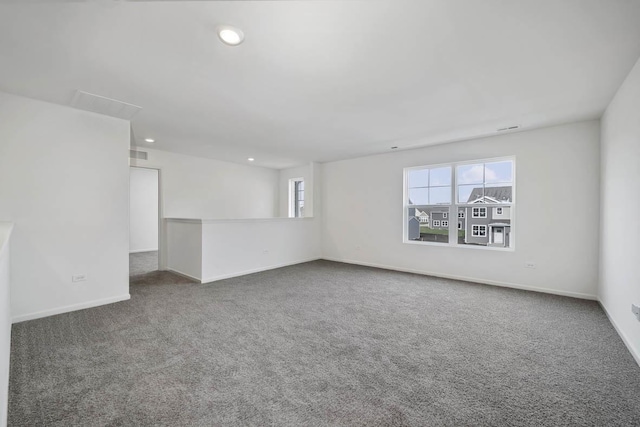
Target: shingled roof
499,194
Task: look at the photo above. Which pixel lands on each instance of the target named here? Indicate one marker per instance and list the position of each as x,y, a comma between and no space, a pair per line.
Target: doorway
498,236
143,220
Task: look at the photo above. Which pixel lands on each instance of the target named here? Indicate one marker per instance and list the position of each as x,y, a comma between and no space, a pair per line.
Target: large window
480,194
296,198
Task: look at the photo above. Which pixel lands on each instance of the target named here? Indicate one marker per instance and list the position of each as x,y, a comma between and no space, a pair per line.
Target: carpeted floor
324,343
143,263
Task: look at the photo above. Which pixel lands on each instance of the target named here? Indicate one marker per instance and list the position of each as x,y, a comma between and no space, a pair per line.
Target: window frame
454,206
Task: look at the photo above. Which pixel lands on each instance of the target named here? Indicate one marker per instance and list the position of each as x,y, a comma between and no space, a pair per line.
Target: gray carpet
143,263
324,343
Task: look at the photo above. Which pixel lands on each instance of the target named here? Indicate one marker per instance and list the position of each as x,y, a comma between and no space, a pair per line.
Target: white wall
5,319
194,187
209,250
620,229
234,248
184,247
557,173
64,183
143,210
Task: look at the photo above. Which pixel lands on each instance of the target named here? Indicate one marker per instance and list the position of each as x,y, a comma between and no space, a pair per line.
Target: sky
433,186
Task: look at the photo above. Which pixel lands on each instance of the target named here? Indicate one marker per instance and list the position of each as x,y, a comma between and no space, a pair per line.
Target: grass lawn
440,231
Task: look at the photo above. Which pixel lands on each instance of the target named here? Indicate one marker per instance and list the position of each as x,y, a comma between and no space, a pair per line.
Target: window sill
457,245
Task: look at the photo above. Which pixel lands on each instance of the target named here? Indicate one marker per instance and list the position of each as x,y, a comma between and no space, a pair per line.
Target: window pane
494,230
419,196
470,174
418,178
440,177
498,172
426,224
439,195
497,193
469,193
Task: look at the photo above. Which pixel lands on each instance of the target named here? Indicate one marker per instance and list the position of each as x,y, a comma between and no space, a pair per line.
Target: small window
460,214
445,223
296,197
459,225
445,215
479,212
436,223
498,211
479,230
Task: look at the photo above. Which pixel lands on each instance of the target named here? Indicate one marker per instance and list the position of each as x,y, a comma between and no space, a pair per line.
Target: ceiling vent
102,105
135,154
509,128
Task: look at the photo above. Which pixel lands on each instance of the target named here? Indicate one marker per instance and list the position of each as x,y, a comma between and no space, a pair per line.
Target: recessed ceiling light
230,35
150,140
251,159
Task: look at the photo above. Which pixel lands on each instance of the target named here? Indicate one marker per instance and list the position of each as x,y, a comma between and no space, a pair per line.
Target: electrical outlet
636,311
78,278
529,264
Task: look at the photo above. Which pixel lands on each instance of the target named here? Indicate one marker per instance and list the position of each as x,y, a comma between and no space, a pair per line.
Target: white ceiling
324,80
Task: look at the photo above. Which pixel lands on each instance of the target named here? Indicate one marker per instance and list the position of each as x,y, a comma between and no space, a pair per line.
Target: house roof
491,195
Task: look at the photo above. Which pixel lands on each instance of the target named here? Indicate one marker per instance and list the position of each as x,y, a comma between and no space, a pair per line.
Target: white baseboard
68,308
469,279
180,273
137,251
625,339
257,270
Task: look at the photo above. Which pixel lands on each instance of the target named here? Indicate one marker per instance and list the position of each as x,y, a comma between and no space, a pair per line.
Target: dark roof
501,194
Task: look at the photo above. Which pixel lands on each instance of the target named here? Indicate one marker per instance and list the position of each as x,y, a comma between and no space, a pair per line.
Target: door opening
498,236
143,220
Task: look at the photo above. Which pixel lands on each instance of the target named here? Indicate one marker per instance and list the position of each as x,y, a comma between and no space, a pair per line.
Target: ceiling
324,80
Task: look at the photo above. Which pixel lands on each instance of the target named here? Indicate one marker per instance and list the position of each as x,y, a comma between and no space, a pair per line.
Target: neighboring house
413,226
423,217
439,220
489,225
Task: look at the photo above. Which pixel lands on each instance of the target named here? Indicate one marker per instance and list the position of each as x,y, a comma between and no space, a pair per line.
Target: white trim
625,339
137,251
69,308
469,279
257,270
460,245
